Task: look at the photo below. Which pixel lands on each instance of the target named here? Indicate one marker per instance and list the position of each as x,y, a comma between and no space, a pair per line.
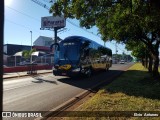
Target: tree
140,51
27,53
122,20
137,25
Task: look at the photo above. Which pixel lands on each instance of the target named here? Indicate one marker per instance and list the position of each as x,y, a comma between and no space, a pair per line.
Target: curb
16,76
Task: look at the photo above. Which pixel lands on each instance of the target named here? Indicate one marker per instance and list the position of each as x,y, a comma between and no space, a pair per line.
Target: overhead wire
31,17
16,23
23,26
39,21
46,7
23,14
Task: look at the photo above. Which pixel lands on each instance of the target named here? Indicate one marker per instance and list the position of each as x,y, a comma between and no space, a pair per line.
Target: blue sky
23,16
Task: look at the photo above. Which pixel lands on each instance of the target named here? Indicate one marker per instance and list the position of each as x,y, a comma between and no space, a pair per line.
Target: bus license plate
63,73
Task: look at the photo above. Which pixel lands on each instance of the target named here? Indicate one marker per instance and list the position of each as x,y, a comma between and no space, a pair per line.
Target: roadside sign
52,22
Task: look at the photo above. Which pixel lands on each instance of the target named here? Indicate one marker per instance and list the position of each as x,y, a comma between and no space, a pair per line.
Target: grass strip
134,90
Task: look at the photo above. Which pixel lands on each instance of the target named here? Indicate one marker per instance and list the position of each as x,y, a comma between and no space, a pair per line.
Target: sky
23,16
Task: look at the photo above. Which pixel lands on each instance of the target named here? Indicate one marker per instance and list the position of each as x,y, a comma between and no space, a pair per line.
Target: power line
45,6
39,21
28,28
82,28
41,4
17,24
23,13
50,1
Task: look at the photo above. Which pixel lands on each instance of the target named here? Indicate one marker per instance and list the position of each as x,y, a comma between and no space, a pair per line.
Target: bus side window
84,53
84,49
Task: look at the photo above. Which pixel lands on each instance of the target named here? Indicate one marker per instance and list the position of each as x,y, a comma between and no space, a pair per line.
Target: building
11,49
43,43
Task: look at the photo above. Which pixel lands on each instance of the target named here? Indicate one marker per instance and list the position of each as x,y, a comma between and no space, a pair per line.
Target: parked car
42,63
24,63
38,63
122,62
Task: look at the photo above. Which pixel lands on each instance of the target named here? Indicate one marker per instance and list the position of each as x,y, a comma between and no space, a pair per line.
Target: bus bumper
67,73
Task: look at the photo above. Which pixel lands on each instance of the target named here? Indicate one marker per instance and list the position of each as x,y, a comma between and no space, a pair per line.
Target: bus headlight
55,67
76,70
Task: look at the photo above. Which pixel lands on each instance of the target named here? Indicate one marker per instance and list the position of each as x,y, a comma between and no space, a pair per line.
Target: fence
20,61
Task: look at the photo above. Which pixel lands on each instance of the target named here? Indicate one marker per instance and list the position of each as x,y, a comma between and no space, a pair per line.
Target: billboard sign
52,22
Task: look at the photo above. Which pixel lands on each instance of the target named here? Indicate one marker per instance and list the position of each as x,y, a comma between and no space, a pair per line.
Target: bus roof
81,38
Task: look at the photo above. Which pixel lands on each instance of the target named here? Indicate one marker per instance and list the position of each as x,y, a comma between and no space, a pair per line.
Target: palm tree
27,53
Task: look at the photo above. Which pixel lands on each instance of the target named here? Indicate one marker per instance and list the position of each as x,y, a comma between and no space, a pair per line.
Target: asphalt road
45,92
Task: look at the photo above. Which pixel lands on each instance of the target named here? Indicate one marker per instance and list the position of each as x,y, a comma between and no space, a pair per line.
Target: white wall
4,59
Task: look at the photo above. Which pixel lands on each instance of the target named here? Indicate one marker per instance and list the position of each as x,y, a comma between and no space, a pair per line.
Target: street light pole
31,47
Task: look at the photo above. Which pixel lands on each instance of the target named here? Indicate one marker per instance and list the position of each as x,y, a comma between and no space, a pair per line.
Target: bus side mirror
56,46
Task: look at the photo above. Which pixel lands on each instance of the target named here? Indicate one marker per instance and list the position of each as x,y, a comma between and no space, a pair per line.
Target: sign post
51,22
55,34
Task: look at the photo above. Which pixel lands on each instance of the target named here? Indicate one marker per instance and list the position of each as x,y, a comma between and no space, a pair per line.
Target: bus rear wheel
107,68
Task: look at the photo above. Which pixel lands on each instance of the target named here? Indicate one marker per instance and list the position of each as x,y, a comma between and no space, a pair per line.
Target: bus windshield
69,51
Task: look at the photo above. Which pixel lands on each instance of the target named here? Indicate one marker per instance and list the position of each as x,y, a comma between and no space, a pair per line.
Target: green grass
134,90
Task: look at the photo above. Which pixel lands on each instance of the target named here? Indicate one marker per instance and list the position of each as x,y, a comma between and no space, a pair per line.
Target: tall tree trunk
150,63
142,61
146,61
156,64
155,55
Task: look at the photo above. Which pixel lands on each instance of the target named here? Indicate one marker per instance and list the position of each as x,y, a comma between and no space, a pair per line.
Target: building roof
49,38
18,53
38,53
45,38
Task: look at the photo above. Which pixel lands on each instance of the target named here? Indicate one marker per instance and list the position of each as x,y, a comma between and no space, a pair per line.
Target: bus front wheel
88,72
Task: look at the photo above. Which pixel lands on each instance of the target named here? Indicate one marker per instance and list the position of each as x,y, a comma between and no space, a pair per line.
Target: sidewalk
20,74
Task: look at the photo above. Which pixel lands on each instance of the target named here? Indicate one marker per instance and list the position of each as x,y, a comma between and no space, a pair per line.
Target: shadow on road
87,83
132,83
41,80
